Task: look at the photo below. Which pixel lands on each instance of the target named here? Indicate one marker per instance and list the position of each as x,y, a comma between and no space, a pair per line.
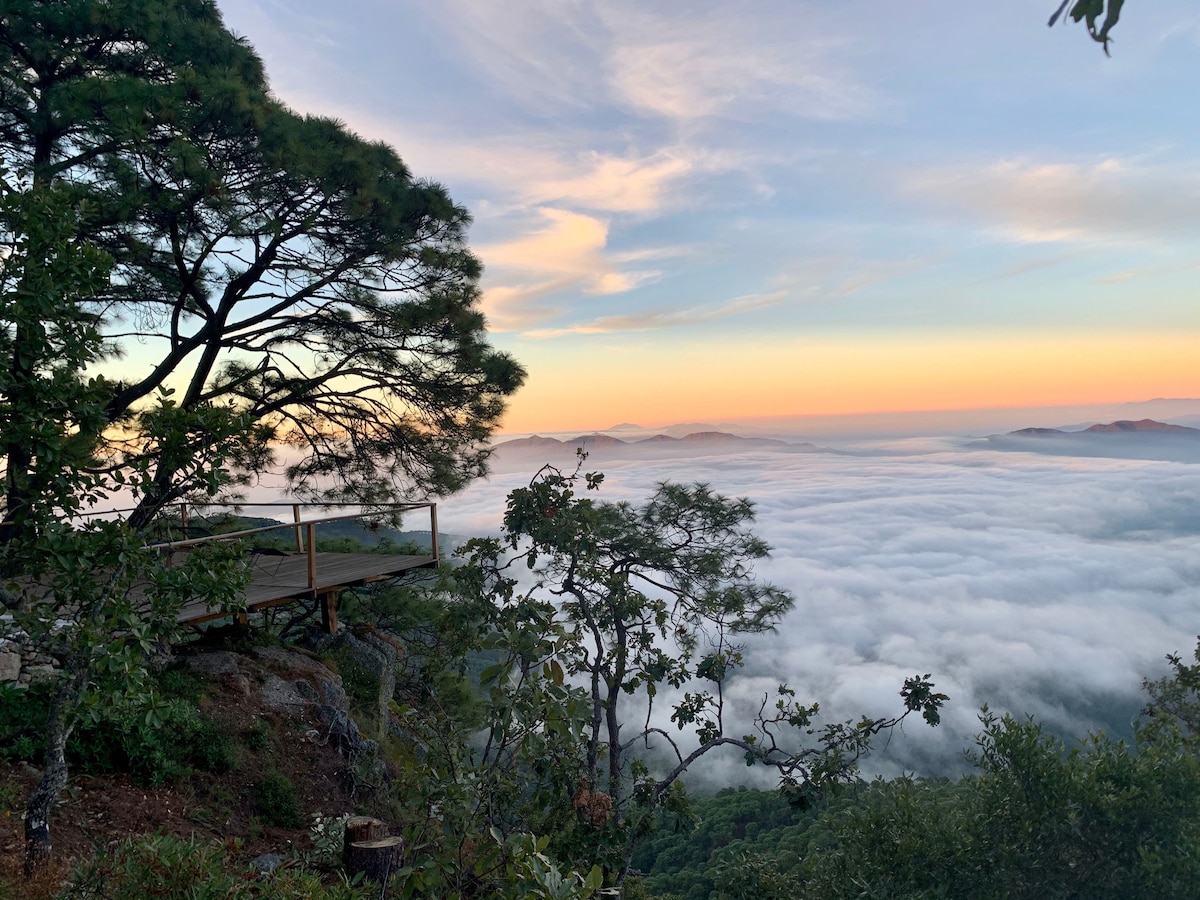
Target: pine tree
266,265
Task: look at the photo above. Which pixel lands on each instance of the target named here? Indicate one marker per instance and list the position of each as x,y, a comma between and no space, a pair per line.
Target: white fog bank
1048,585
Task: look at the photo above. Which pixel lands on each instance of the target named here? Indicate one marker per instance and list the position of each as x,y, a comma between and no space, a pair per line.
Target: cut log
376,860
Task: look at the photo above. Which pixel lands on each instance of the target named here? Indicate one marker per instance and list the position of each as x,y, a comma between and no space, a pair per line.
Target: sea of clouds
1046,585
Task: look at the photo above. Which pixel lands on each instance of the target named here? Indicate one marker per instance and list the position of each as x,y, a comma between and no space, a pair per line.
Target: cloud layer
1041,585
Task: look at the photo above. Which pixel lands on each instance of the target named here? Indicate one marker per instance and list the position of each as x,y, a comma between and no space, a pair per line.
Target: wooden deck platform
282,579
308,574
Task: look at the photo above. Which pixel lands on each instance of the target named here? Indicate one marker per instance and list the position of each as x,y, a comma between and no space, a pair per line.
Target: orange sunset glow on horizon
736,381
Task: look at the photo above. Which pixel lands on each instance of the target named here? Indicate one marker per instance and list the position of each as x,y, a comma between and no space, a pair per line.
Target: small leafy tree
85,592
481,801
628,601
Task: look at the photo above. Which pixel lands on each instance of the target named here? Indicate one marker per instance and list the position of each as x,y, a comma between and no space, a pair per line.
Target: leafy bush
157,744
328,836
177,683
22,718
275,802
169,868
361,685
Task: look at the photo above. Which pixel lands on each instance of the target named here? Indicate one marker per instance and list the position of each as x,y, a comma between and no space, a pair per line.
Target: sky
737,210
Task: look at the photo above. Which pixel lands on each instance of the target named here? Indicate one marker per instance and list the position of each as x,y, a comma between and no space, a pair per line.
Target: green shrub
257,736
22,718
275,802
361,686
177,683
169,868
154,749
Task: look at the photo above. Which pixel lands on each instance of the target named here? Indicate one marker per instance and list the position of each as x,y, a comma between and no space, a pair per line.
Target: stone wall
21,664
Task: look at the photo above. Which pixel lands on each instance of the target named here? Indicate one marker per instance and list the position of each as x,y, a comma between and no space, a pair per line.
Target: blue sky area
736,210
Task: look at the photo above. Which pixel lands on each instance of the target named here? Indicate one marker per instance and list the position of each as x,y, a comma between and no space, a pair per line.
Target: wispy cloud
729,64
539,54
1022,268
1151,271
581,124
565,253
819,280
655,319
516,172
726,60
1059,202
691,80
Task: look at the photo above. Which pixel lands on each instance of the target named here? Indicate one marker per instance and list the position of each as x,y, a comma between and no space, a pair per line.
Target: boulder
298,667
221,665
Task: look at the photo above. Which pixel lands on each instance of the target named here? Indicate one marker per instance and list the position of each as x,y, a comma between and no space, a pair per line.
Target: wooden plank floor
278,579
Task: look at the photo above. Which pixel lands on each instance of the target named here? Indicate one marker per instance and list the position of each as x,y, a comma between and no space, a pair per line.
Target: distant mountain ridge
1122,426
588,441
1122,439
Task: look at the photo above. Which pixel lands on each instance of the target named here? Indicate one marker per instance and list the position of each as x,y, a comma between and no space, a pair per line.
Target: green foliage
86,592
22,717
155,739
169,868
360,684
1175,698
1099,819
153,191
179,683
1041,817
257,736
275,802
328,837
692,856
751,876
628,599
443,657
156,742
1106,12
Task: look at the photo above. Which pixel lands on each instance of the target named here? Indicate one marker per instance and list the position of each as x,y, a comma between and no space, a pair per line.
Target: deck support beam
328,604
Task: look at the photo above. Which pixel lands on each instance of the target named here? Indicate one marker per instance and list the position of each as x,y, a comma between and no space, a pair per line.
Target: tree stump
361,828
376,860
364,828
369,850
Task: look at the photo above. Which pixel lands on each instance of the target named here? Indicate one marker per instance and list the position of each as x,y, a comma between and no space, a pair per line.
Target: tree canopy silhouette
266,266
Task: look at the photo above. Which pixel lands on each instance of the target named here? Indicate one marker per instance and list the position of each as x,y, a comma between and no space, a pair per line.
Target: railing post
437,556
296,519
312,556
183,520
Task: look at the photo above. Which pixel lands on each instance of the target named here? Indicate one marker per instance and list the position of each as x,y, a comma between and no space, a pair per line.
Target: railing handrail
246,532
283,503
